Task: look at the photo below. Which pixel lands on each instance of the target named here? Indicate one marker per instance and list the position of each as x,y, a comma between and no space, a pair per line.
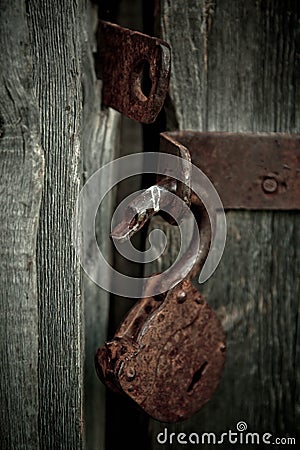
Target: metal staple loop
129,61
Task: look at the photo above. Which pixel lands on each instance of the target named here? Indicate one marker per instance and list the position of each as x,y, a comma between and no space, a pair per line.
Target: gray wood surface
56,45
21,181
53,135
235,68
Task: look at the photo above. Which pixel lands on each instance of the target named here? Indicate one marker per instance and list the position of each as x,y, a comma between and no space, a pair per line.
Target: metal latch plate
249,171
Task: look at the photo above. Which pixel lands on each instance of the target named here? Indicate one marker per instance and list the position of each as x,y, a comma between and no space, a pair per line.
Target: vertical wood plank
100,142
21,181
46,361
235,68
56,34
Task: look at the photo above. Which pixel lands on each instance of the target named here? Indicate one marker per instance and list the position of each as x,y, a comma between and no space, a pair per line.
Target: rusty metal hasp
249,170
169,352
135,71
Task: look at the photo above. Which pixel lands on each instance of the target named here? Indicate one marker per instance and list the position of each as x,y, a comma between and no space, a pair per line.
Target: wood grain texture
100,144
47,355
56,33
236,68
21,181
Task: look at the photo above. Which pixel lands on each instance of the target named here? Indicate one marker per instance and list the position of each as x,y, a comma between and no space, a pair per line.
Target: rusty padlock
169,352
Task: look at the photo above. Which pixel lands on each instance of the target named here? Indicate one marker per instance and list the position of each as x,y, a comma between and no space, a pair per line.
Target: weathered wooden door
235,67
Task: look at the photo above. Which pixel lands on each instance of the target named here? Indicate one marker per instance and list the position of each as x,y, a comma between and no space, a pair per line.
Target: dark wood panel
100,144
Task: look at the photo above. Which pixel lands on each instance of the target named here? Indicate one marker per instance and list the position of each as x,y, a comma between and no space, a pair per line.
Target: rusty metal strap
249,171
135,69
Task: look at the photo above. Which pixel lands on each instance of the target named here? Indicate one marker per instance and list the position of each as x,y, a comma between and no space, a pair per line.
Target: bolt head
270,185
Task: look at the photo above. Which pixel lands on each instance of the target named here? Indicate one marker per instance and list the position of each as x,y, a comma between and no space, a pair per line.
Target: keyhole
141,80
197,375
